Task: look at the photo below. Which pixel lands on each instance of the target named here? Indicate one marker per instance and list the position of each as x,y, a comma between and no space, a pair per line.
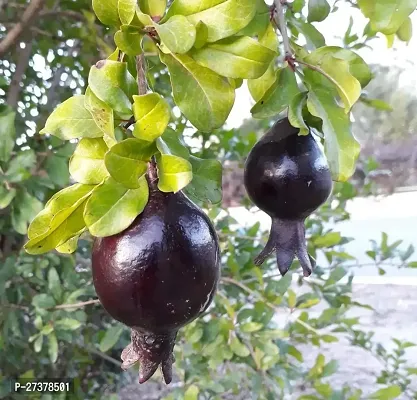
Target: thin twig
14,34
101,355
279,9
75,305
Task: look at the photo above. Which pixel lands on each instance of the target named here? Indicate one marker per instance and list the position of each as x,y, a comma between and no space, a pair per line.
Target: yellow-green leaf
127,161
204,97
201,35
102,114
129,41
154,8
338,72
152,115
278,96
127,10
174,173
107,11
387,16
72,120
112,83
223,18
177,34
341,147
87,163
405,32
236,57
112,207
70,246
258,87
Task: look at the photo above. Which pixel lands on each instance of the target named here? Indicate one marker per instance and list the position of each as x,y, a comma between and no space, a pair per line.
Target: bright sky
333,29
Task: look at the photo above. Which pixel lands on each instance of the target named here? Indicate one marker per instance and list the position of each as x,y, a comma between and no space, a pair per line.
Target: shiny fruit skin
161,272
286,175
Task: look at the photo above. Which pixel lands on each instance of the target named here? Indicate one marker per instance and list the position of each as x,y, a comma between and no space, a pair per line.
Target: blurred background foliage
248,344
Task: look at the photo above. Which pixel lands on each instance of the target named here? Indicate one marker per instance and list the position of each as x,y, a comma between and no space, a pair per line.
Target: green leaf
7,133
201,35
112,207
192,393
250,327
129,41
54,284
391,392
295,112
175,173
107,11
341,147
59,234
57,169
111,338
387,16
376,103
6,196
24,209
177,34
87,164
207,180
102,113
328,240
152,115
357,66
269,38
258,87
335,276
128,161
238,347
405,32
307,300
318,10
112,83
71,120
278,96
236,57
69,247
154,8
204,97
37,346
313,37
53,348
127,10
338,72
223,18
171,143
68,324
259,22
20,166
59,207
43,301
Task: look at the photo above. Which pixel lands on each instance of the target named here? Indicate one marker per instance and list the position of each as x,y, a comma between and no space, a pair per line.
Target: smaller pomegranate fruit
157,276
287,176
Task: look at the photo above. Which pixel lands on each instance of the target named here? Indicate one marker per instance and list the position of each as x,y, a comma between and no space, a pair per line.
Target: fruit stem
153,174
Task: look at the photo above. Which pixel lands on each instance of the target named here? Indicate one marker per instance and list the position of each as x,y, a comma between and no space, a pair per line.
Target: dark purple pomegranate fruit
157,276
287,176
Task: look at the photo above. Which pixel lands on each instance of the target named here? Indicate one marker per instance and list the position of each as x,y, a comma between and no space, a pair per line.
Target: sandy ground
395,316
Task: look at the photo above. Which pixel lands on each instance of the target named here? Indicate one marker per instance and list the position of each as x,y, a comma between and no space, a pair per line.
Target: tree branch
14,34
280,20
68,14
21,65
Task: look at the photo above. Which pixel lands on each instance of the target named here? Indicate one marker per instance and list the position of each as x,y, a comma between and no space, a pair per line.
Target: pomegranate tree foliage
197,54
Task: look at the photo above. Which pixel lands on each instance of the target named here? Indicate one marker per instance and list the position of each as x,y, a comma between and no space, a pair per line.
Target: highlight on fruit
287,176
